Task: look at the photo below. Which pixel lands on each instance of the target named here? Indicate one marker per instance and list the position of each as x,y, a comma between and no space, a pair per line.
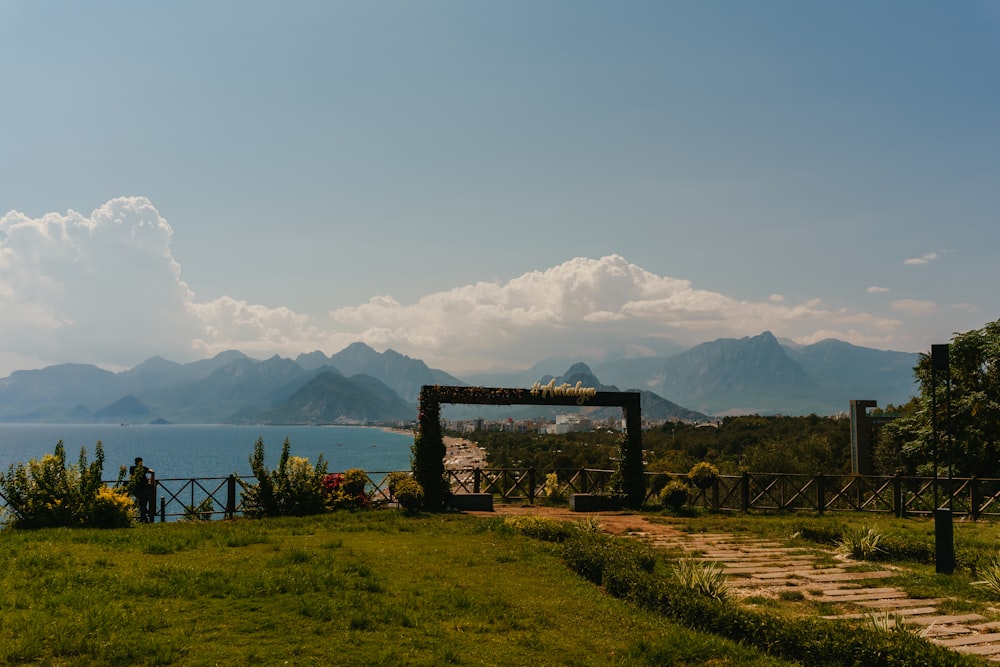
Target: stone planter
472,502
587,502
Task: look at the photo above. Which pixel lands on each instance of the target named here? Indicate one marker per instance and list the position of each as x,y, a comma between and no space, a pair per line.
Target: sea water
185,451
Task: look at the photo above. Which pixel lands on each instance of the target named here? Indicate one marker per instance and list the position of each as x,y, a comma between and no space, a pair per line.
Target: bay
177,451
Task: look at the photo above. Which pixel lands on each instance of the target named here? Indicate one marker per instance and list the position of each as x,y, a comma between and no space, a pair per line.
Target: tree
966,431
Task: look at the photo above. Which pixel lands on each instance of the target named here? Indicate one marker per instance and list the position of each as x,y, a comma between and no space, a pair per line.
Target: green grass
368,588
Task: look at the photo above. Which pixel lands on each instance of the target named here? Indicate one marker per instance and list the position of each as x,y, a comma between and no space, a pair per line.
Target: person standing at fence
144,488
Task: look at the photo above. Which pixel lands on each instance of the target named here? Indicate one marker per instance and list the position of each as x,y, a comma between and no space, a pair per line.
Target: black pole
944,532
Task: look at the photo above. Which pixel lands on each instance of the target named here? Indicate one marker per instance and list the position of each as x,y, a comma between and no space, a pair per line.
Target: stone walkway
770,569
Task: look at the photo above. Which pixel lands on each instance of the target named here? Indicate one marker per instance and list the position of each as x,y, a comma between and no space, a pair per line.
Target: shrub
706,578
674,494
406,490
990,574
346,490
553,491
592,555
294,488
48,493
703,475
200,512
860,543
657,482
540,528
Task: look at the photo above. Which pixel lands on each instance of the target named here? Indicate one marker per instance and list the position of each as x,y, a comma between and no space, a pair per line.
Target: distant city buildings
566,423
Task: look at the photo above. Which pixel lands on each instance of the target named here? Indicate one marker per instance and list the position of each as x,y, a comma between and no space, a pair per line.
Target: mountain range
758,374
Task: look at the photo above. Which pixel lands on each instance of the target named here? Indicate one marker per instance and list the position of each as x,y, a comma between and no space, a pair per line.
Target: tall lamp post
944,534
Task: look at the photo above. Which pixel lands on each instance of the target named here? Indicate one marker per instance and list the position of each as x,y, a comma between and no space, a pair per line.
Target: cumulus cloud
104,288
584,305
874,289
107,279
924,259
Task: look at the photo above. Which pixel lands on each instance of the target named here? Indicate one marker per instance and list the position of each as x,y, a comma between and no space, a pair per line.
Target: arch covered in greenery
427,461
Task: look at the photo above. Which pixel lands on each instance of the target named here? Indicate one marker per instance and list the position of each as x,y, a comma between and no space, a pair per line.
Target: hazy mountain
726,376
243,383
157,372
124,410
55,393
863,372
398,371
653,406
758,374
332,398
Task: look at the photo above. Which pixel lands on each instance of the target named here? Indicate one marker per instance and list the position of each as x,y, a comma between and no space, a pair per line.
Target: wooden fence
220,497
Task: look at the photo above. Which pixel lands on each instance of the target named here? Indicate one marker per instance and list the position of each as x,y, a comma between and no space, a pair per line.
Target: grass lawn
367,588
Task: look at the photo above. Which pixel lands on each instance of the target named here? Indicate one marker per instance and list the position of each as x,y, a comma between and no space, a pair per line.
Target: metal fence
221,497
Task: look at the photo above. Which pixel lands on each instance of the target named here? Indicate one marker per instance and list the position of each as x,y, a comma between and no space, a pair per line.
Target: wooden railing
221,497
896,495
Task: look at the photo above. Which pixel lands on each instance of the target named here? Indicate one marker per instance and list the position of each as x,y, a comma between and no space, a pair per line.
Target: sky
482,185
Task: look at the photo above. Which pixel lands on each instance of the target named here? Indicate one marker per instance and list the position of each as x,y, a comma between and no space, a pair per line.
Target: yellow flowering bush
113,508
49,493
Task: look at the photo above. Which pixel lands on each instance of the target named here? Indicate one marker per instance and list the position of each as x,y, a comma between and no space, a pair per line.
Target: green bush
48,493
657,482
990,576
294,488
707,578
675,494
554,492
860,543
592,554
346,490
406,490
541,528
703,475
200,512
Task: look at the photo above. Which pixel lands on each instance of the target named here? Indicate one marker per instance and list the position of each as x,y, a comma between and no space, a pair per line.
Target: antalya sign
565,389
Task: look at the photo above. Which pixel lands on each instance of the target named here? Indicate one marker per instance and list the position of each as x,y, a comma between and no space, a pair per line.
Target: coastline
460,454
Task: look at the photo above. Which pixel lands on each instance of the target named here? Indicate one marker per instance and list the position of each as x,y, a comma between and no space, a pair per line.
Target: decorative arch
428,445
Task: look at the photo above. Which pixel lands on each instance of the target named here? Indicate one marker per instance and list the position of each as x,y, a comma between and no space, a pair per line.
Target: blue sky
482,185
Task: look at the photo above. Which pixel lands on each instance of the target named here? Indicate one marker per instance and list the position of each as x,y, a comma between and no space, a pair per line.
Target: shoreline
459,453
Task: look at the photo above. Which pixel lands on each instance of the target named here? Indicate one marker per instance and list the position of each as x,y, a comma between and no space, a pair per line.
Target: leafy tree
967,418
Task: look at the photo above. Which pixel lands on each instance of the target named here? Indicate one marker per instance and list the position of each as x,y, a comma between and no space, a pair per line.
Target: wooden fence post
715,493
820,493
898,506
231,497
531,485
745,492
477,476
975,498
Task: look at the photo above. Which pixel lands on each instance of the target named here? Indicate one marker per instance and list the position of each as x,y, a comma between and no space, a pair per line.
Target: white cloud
874,289
585,304
924,259
105,289
101,288
914,306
